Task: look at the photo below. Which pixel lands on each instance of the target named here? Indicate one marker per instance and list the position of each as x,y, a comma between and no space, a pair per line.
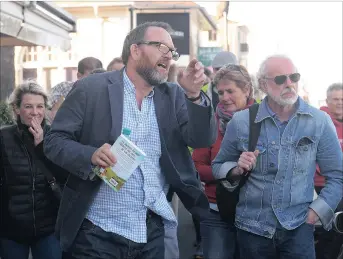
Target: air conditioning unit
244,47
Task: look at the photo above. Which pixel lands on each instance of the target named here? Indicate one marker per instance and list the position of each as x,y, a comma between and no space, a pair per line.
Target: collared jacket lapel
116,100
163,104
162,109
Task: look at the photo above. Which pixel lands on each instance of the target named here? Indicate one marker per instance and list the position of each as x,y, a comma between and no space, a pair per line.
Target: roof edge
200,8
59,12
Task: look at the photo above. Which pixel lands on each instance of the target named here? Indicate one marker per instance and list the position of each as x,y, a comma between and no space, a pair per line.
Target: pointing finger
199,66
199,73
201,79
192,63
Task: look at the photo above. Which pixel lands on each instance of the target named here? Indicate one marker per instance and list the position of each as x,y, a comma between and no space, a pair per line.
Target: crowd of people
194,124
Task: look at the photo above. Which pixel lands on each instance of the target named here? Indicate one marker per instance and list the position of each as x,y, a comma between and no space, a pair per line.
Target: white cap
224,58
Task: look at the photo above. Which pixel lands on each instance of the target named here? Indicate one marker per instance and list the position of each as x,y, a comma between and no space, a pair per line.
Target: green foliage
5,114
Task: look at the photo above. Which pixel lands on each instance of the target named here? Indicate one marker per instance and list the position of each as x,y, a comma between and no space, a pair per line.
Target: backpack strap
254,133
254,128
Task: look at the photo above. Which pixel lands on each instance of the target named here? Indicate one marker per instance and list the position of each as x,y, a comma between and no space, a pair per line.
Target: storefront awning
27,23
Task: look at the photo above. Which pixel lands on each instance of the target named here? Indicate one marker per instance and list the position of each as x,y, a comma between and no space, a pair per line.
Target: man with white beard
276,213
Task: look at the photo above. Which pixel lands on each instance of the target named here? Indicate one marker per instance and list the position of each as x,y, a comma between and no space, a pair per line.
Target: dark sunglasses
163,48
281,79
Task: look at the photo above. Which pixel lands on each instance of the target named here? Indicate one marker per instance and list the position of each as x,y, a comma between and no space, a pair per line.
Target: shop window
212,35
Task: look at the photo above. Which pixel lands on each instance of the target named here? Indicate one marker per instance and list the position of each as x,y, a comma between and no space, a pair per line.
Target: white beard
284,101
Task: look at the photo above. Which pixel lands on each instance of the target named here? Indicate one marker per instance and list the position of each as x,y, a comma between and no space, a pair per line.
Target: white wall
115,32
101,38
309,32
205,42
88,39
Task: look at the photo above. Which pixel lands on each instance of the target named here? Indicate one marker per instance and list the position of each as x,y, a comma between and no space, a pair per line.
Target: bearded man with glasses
276,213
164,118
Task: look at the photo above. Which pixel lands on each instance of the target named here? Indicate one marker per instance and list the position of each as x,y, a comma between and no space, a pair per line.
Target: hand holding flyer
128,156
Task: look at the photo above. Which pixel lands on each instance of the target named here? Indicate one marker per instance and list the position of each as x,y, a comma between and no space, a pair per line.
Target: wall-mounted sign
207,54
178,21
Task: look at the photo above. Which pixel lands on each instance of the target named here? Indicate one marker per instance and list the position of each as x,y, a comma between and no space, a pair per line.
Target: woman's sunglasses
281,79
235,68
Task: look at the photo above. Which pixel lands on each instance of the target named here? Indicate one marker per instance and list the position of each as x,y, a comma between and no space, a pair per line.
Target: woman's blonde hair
28,87
238,74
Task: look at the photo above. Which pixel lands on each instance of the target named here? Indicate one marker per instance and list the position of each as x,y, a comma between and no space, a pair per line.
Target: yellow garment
190,150
204,88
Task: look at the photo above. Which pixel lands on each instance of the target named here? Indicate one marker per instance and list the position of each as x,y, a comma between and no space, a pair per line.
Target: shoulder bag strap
254,133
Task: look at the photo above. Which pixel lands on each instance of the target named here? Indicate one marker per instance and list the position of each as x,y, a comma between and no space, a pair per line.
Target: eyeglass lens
279,80
165,49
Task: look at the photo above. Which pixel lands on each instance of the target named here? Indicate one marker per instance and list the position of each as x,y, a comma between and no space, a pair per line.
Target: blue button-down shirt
280,188
281,125
124,212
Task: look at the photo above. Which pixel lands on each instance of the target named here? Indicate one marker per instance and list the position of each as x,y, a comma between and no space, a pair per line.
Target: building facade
101,29
28,24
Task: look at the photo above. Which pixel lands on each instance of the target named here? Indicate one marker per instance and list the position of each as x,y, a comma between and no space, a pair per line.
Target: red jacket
319,180
202,158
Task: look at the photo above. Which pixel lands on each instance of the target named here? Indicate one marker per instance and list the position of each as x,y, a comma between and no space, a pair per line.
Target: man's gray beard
151,76
284,102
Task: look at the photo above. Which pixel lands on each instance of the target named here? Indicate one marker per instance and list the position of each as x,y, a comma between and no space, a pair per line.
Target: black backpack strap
254,133
254,128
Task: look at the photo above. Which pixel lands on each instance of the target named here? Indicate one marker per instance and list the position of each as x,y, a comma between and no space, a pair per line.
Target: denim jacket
283,192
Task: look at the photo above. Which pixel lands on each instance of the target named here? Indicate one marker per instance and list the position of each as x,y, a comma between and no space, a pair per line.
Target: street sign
207,54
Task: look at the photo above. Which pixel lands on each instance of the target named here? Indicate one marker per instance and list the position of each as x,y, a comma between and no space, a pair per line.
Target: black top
28,207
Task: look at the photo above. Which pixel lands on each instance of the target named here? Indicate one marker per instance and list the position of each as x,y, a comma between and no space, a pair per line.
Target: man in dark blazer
94,221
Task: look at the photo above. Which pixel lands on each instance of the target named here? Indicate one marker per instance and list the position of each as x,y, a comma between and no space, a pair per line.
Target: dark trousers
197,230
92,242
218,238
328,243
286,244
45,248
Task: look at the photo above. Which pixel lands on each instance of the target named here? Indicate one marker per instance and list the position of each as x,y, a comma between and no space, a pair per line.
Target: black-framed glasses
281,79
163,48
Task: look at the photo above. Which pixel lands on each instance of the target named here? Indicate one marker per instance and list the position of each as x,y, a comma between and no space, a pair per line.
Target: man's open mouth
162,65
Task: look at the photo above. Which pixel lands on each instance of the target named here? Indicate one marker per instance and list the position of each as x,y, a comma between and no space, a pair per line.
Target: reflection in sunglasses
281,79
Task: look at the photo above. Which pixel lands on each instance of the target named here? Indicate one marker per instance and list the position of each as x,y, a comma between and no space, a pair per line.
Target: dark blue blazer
92,115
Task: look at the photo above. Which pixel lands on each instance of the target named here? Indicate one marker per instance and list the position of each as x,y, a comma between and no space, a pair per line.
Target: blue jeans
45,248
218,237
285,244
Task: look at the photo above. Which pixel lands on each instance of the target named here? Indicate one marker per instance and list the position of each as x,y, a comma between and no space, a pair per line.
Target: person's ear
135,52
17,110
262,85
